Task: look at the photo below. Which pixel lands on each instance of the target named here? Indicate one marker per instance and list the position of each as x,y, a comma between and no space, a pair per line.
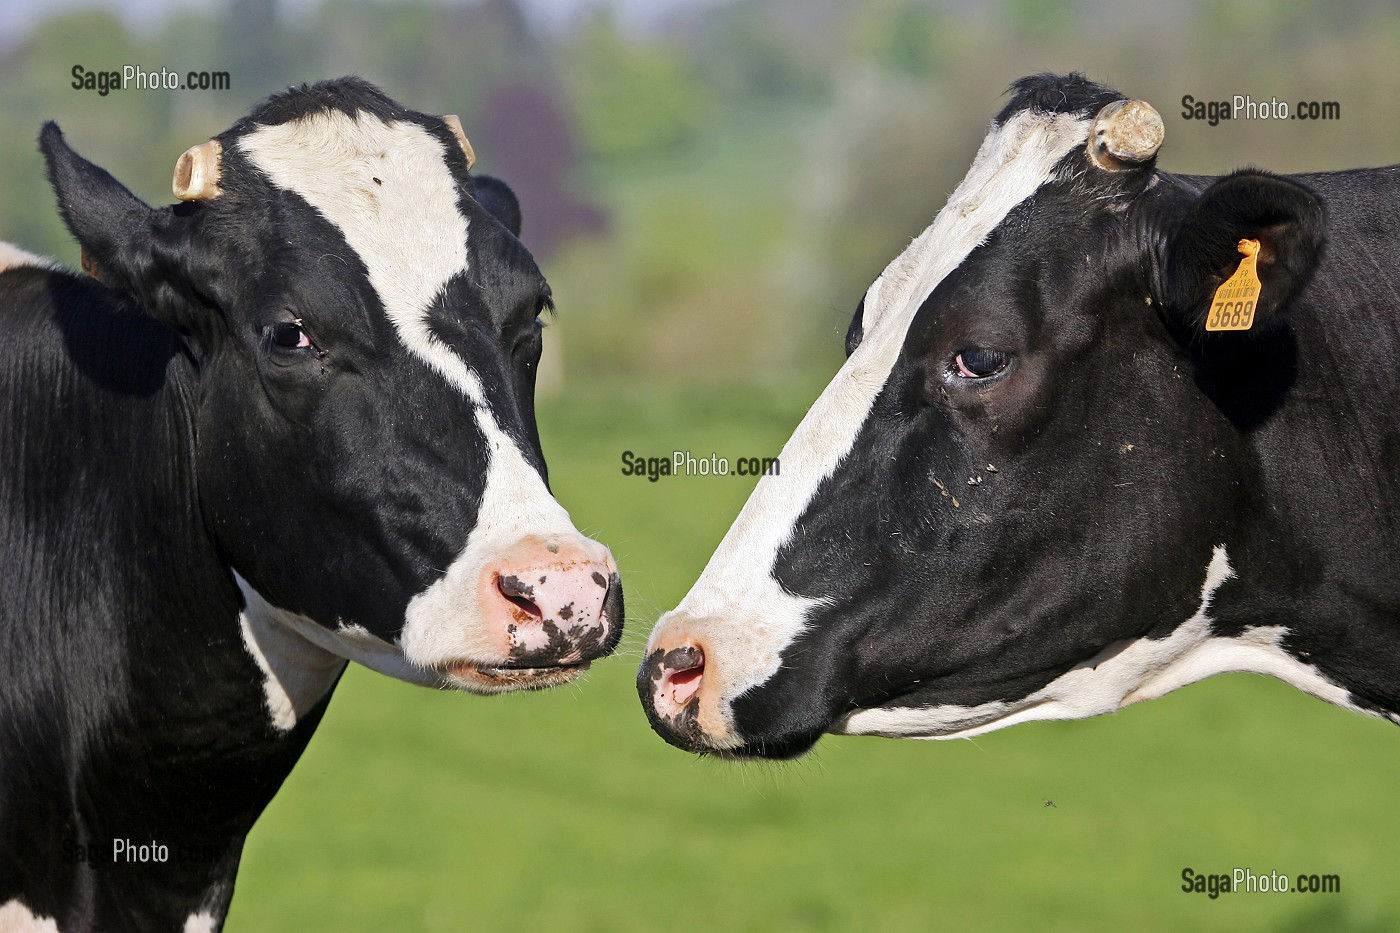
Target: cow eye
290,335
979,363
531,340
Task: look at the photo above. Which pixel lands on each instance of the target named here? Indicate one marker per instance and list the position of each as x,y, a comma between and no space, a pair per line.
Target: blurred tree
526,139
1041,20
630,99
749,53
256,59
907,39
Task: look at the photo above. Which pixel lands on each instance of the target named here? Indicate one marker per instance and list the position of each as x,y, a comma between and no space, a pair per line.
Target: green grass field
415,810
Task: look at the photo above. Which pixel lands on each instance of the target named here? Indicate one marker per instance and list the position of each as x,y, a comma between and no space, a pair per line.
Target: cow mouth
481,677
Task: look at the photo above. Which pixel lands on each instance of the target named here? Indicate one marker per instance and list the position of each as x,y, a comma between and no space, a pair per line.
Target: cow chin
783,748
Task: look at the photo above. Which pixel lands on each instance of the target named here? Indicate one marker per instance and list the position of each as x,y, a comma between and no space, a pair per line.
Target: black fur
1051,93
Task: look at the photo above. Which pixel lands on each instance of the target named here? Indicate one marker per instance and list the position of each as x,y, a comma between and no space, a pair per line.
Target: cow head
365,327
1012,500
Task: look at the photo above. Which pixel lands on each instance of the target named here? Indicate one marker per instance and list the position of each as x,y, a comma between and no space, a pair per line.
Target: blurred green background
710,187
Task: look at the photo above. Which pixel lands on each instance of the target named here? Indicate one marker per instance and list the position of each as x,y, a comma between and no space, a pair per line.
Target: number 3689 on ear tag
1232,308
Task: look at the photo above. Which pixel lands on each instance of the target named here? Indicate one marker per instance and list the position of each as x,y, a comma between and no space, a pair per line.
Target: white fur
297,673
301,659
202,922
411,236
12,256
1123,673
737,606
16,918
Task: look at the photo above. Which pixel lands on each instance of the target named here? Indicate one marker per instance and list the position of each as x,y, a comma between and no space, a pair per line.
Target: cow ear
856,332
500,202
1287,220
149,255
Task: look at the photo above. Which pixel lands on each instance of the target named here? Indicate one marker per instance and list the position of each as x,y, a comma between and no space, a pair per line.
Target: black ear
149,255
500,202
1285,217
856,332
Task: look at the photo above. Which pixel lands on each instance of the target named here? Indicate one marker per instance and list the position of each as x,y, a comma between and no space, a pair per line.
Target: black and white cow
1039,488
288,422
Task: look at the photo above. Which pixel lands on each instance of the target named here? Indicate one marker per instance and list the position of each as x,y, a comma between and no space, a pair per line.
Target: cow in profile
285,423
1075,458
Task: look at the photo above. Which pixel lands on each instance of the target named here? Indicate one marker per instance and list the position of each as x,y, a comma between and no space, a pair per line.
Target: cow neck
169,740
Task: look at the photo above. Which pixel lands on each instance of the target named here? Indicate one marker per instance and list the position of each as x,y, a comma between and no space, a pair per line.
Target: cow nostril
518,594
682,681
684,684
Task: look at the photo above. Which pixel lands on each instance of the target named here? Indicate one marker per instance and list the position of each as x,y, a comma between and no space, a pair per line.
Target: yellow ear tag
1232,308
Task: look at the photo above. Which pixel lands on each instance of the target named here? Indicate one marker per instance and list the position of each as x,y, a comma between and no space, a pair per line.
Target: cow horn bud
197,172
1126,134
451,121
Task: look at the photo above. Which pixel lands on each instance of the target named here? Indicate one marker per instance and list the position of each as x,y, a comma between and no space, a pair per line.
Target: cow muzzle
679,684
710,684
551,603
545,608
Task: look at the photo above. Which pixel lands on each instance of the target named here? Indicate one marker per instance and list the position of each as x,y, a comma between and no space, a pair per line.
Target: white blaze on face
408,231
737,610
1122,674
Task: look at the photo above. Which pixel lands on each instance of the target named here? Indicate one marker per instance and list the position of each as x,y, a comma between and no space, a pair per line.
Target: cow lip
529,668
503,676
